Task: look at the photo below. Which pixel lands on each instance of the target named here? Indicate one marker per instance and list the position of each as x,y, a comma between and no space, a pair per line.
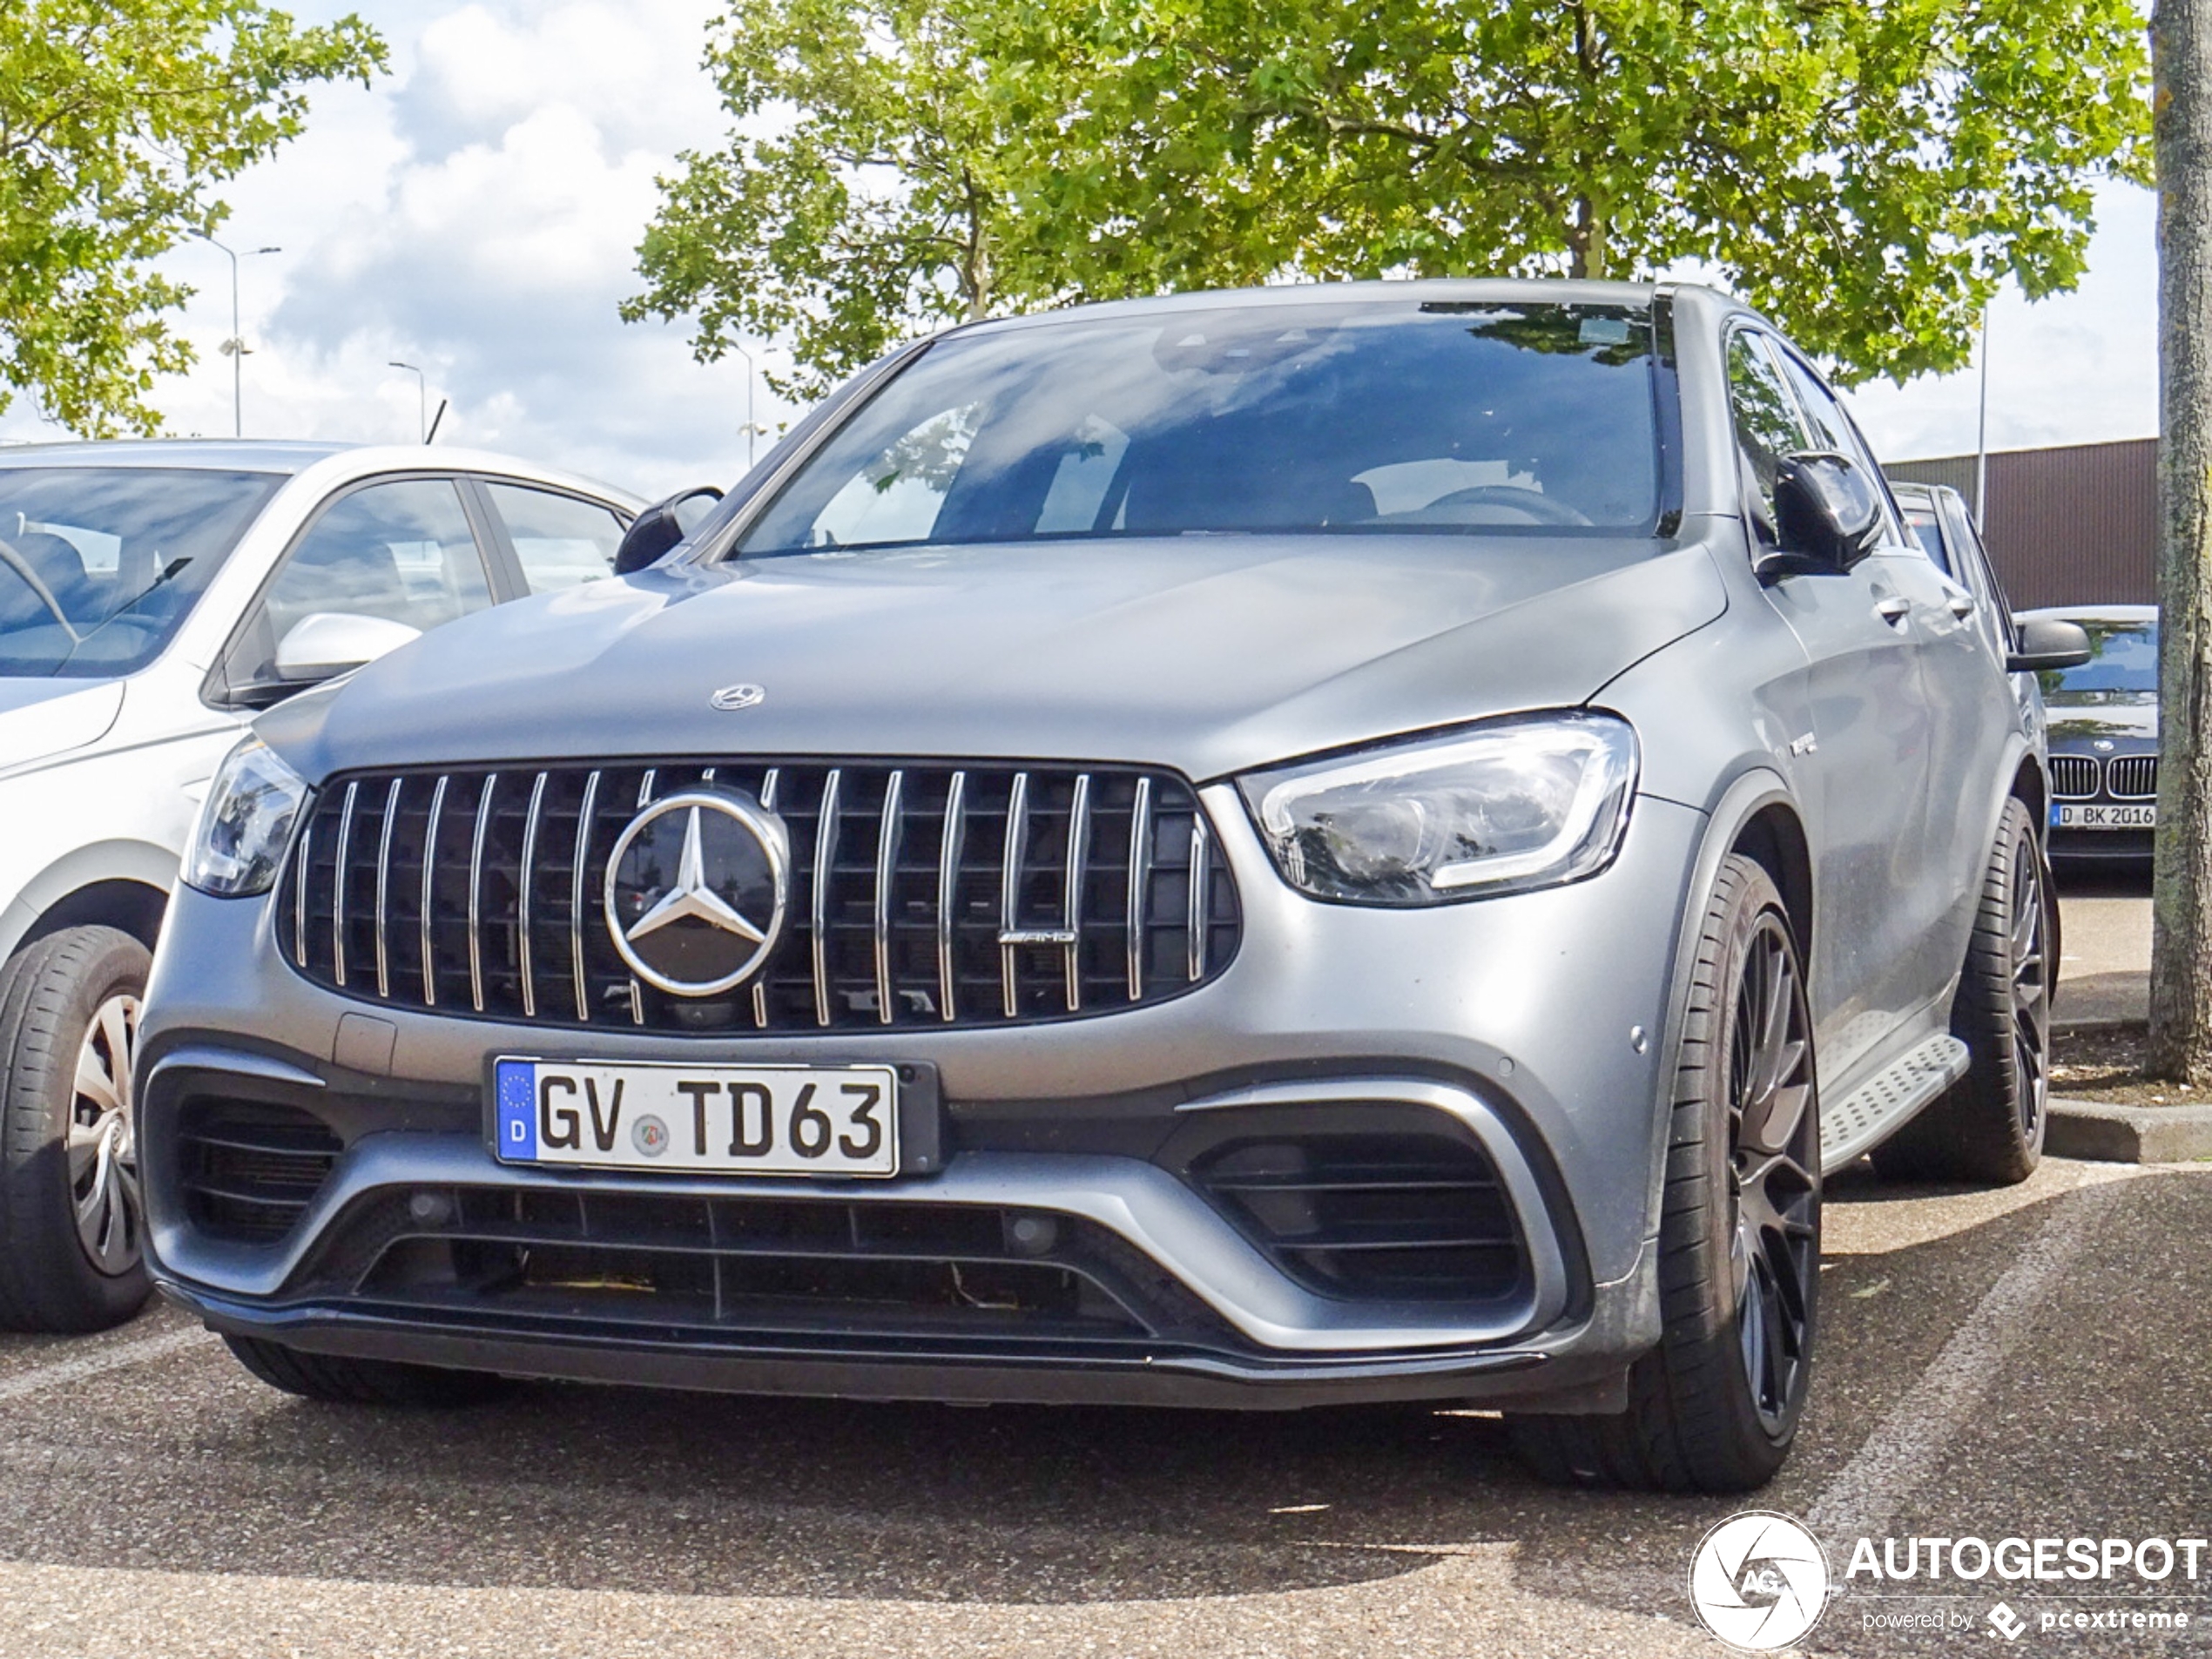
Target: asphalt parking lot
2030,1361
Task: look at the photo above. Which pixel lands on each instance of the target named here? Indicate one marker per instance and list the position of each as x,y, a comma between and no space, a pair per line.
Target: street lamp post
421,400
1981,435
751,427
234,347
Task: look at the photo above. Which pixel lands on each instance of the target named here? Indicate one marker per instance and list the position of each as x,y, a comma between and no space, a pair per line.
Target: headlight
245,824
1501,808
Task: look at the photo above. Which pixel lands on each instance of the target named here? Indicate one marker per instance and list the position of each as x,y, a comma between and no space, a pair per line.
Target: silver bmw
1334,844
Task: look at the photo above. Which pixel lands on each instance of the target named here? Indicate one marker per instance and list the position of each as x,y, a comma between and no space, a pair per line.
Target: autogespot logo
1758,1580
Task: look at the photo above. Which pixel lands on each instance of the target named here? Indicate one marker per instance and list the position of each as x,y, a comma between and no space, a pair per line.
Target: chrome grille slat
886,875
429,889
1140,882
1077,863
383,883
963,894
768,782
522,917
825,868
302,882
583,859
338,887
476,892
953,843
1201,897
1017,838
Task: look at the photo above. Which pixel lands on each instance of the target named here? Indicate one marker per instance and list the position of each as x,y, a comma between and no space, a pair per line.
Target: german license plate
723,1120
2066,816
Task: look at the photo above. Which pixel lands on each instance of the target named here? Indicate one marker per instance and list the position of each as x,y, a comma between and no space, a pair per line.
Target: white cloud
477,212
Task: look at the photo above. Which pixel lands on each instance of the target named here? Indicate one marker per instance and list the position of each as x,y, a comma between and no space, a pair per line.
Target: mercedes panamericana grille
1329,845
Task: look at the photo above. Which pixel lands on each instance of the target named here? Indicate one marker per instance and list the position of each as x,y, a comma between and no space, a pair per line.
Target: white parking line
1906,1443
92,1364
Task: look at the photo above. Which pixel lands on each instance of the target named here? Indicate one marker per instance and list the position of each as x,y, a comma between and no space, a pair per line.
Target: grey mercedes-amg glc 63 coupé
1333,844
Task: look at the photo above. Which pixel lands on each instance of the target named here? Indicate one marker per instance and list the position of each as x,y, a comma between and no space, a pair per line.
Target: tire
1715,1407
72,1222
361,1382
1988,1129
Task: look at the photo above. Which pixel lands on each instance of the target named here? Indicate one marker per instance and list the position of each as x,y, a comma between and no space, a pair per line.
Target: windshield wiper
132,604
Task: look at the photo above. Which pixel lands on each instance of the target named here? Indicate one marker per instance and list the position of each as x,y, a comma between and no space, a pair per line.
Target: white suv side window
559,540
402,550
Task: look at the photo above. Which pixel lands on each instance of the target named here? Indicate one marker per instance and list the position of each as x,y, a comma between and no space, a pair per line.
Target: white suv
153,595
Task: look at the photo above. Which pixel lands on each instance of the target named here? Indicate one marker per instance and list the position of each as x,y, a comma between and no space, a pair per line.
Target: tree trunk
2181,987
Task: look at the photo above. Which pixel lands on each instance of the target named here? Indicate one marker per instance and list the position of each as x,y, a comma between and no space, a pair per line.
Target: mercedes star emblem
697,885
732,698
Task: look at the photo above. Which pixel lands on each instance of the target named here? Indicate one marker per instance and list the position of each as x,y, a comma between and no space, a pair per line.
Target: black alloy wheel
1989,1128
1715,1407
2031,904
1774,1169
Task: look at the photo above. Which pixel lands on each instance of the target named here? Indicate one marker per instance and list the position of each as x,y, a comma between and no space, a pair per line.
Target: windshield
1308,418
2123,666
99,564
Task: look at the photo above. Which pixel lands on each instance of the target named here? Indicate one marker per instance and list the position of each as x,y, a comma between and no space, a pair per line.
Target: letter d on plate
517,1093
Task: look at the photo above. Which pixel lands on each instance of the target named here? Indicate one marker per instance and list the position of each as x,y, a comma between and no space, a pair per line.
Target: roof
1487,290
231,454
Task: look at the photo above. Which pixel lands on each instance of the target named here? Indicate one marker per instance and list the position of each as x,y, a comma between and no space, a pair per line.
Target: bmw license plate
721,1120
2066,816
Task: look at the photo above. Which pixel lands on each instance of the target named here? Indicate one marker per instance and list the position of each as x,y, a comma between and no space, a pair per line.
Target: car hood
41,716
1208,654
2072,724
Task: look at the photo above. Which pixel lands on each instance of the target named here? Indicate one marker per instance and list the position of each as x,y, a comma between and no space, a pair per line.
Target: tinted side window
1972,554
402,550
1924,525
1831,428
559,540
1767,427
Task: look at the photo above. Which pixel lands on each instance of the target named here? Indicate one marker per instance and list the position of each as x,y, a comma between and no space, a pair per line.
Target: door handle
1893,610
1962,606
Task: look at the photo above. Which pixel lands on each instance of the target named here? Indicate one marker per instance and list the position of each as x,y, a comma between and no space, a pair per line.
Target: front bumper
1530,1029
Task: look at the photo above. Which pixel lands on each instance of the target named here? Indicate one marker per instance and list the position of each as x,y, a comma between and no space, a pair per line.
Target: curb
2083,1129
2088,1022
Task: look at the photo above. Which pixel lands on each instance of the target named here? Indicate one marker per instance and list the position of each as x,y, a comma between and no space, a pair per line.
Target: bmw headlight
245,824
1501,807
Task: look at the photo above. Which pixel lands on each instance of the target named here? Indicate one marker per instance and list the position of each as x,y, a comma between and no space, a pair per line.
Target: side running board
1867,1114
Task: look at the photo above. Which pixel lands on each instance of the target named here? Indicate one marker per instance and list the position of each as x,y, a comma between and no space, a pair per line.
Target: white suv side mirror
330,642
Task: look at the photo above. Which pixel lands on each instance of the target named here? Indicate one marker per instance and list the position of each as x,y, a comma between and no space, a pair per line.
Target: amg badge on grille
697,885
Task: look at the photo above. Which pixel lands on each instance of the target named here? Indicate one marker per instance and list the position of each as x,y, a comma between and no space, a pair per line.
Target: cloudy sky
477,212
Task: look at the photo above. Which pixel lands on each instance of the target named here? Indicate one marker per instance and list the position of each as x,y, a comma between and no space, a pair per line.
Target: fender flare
141,862
1751,792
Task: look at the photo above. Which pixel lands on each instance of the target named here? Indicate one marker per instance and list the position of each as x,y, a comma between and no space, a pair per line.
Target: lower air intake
1379,1217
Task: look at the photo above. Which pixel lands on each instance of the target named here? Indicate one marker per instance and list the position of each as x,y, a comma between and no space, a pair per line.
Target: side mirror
2045,642
662,526
1827,516
330,642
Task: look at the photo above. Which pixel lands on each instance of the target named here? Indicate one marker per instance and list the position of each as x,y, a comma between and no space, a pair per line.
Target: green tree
118,119
880,212
1869,172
